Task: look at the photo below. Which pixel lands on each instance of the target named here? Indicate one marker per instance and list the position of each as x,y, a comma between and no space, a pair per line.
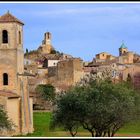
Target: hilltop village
21,72
63,71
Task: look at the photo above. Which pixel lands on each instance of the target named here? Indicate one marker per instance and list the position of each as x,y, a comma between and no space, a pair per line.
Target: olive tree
101,107
69,108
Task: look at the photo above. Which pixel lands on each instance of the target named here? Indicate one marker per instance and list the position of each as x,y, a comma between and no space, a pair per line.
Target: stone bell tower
46,46
122,50
11,51
13,80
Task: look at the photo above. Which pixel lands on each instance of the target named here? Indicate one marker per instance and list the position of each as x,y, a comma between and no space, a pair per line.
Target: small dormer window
4,36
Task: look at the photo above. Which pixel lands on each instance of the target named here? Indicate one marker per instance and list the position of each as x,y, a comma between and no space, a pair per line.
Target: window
4,36
113,73
48,35
5,79
19,34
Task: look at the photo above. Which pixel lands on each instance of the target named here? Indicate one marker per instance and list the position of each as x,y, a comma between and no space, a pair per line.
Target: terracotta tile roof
9,18
8,94
52,56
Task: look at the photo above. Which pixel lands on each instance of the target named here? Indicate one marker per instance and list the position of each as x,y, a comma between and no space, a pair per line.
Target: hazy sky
79,29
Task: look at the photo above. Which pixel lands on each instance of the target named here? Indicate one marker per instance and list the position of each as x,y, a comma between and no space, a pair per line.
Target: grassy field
42,120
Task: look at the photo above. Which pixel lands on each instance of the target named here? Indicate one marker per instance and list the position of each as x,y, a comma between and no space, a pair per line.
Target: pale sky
79,29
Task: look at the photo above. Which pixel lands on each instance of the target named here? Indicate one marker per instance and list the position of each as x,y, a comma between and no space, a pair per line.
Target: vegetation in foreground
5,123
42,122
100,107
96,108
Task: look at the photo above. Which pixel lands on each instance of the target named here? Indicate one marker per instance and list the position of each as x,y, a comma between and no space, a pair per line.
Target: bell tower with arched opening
13,80
123,49
11,51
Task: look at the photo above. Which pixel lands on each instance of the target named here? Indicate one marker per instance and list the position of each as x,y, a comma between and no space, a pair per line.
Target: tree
101,107
110,106
69,107
53,51
27,51
5,123
46,91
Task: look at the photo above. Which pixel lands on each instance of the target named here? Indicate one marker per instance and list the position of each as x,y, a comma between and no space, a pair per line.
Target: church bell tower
11,51
13,80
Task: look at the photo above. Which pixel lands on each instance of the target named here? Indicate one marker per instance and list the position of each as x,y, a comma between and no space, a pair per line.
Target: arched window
4,36
19,34
5,79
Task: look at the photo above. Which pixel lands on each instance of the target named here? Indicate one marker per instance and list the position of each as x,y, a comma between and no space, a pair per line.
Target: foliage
5,123
67,111
101,107
27,51
47,91
31,52
53,51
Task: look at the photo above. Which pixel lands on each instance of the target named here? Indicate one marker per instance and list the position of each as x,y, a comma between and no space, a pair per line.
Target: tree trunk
104,133
92,133
108,133
73,135
113,133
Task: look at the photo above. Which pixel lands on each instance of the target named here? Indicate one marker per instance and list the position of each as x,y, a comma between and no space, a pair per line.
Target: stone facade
70,71
104,56
126,58
122,50
14,82
126,63
46,46
134,72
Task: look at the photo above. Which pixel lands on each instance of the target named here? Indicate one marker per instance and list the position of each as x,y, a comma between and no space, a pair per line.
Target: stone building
123,49
133,72
14,93
127,63
101,57
70,71
46,46
125,56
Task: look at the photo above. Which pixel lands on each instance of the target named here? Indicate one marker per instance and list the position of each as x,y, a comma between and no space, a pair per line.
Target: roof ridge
8,17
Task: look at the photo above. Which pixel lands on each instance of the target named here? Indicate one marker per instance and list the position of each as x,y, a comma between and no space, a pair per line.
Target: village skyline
66,71
79,29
